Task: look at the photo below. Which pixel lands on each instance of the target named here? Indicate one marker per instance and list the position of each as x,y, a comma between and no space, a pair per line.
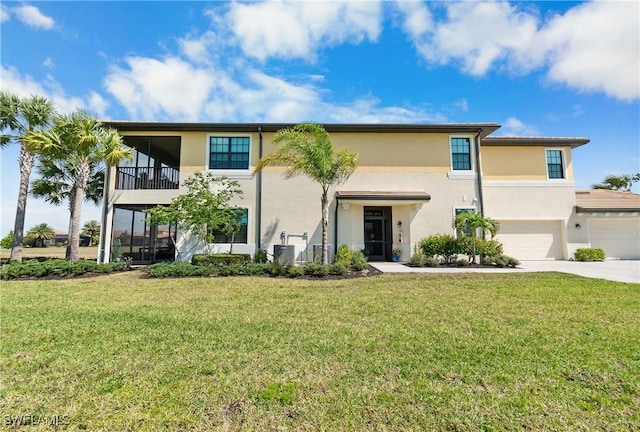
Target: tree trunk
325,225
26,161
77,198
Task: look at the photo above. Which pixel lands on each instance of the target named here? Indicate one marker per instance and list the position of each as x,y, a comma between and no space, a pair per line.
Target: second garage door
531,240
619,238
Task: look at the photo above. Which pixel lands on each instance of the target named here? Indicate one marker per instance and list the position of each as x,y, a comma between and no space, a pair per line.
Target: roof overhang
483,129
383,197
580,209
534,141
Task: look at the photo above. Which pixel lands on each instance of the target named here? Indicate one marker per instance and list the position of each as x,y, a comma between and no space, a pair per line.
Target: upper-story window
461,153
555,165
229,152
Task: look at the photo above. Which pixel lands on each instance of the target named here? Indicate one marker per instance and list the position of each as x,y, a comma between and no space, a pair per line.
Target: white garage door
619,238
531,240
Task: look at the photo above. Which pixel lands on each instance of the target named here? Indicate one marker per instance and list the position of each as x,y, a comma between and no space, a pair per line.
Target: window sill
232,174
462,175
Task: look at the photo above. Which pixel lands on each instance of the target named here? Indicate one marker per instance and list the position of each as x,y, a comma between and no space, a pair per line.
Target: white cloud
4,14
31,16
48,62
287,29
594,46
97,104
150,87
515,127
24,85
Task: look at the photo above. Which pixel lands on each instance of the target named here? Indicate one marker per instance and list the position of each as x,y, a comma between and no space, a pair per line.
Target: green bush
220,260
338,268
502,261
359,261
589,254
294,271
418,259
462,262
7,241
316,269
260,257
442,246
41,267
431,262
179,269
488,247
343,255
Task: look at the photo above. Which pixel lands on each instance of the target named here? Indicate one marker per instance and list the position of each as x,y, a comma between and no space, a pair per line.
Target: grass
51,252
543,351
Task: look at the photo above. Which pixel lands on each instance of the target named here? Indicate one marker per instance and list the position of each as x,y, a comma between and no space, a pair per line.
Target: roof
606,201
483,128
384,195
573,142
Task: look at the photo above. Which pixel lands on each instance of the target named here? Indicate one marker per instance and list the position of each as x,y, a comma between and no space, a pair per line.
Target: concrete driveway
614,270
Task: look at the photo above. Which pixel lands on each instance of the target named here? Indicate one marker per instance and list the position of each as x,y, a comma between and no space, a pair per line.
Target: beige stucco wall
520,162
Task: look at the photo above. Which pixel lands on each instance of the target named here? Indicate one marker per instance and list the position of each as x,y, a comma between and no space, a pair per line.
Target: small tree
40,233
203,209
474,223
307,150
91,229
621,183
7,241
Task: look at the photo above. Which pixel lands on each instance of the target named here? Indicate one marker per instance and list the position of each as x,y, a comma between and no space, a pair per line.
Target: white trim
529,183
231,173
463,174
564,164
453,214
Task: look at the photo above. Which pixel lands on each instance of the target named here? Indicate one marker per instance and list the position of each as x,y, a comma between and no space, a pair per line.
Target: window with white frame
229,152
555,164
240,234
460,210
461,153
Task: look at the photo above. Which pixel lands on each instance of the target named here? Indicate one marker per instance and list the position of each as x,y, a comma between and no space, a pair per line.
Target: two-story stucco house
410,183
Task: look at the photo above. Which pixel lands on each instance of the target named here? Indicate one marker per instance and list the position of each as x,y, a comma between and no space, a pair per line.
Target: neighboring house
411,182
62,237
609,220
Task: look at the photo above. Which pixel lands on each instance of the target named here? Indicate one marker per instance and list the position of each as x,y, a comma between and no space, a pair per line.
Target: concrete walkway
614,270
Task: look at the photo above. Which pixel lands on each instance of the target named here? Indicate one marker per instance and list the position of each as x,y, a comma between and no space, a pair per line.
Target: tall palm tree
18,117
40,233
307,150
91,229
79,143
474,223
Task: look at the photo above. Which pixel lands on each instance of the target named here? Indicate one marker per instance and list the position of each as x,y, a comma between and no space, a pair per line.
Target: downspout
259,195
105,210
479,174
335,228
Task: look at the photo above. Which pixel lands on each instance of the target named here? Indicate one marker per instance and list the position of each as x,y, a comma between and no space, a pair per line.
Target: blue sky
536,68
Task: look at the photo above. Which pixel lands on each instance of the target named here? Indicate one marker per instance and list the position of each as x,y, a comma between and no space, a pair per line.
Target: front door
376,232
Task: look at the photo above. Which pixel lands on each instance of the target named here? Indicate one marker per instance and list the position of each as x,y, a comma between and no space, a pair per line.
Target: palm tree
81,144
40,233
306,150
18,117
91,229
474,223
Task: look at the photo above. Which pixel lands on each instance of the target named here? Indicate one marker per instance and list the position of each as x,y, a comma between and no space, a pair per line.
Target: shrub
42,266
7,241
343,255
220,260
462,262
486,248
257,269
444,246
502,261
260,257
179,269
316,269
589,254
418,259
295,271
338,268
359,261
431,262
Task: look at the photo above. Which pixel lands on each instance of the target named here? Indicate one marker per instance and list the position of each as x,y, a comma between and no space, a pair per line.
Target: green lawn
51,252
542,351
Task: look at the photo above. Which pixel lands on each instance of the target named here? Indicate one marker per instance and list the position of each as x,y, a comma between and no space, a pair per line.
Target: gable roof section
483,129
534,141
606,201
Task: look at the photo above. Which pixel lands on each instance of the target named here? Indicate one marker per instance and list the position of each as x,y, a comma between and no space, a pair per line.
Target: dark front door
377,232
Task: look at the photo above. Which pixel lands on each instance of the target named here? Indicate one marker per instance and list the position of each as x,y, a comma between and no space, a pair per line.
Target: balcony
138,178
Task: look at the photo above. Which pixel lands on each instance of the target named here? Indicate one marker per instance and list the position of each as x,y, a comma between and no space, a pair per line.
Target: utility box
284,254
317,253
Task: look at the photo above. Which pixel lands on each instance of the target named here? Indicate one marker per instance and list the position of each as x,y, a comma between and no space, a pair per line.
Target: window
555,167
240,234
228,152
458,211
461,154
